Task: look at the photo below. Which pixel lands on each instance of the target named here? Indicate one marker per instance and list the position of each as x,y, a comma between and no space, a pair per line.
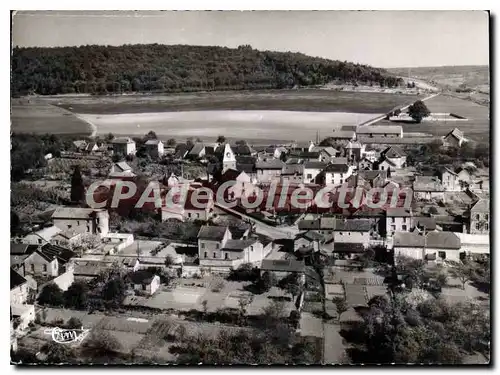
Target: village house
18,288
343,135
479,217
308,240
326,153
79,145
387,165
181,151
196,152
92,147
449,179
336,174
366,164
370,153
155,148
354,151
219,251
432,246
83,220
242,184
352,231
121,167
473,244
398,220
386,131
293,174
464,178
123,146
48,260
312,169
21,313
198,207
144,281
455,138
427,188
269,170
395,155
282,268
41,236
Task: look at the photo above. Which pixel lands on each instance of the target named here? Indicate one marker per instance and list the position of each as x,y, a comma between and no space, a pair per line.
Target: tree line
176,68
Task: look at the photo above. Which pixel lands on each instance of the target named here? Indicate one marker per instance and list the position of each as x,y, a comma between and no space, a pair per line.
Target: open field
38,116
282,125
476,127
53,114
282,100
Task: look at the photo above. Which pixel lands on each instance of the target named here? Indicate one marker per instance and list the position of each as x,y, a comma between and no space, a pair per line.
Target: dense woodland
176,68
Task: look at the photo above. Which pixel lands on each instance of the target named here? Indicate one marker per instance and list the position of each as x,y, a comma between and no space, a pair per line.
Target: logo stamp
67,336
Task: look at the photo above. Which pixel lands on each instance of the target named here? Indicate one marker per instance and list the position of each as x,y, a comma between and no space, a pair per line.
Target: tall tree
77,187
418,111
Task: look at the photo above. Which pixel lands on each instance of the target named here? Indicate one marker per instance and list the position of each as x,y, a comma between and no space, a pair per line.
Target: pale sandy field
285,125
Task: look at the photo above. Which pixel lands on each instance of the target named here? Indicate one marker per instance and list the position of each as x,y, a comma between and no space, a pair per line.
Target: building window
143,286
205,254
486,217
404,220
251,248
216,245
486,226
309,175
477,217
202,245
226,256
69,226
477,226
78,222
393,220
442,254
393,228
44,268
215,255
403,227
32,268
189,215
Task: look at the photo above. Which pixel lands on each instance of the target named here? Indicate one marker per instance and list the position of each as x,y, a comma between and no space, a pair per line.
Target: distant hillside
178,68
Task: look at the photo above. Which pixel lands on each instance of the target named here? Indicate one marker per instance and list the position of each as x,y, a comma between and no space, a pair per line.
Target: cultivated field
310,100
270,115
38,116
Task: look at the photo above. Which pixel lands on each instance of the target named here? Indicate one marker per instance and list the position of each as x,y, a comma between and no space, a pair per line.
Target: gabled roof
292,169
353,225
429,223
458,134
314,165
143,277
196,149
212,233
181,150
62,254
337,168
330,151
436,240
122,140
153,142
123,166
343,134
348,247
393,152
283,265
443,169
482,205
338,161
22,249
380,129
398,212
427,183
16,279
269,164
74,213
311,236
238,245
388,161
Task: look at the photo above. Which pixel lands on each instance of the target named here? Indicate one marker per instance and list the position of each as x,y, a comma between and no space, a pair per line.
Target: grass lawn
287,100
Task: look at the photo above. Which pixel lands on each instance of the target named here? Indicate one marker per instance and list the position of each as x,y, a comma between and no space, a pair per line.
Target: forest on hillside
176,68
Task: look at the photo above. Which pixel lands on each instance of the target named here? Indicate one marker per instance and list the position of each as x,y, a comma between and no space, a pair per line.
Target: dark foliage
51,295
418,111
175,68
76,296
77,188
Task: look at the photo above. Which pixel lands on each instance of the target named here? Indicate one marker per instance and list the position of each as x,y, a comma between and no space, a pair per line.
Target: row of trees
136,68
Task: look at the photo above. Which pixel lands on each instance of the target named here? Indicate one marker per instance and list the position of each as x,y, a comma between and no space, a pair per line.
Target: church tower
229,160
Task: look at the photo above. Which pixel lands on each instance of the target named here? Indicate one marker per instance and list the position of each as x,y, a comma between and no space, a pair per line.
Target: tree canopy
176,68
418,111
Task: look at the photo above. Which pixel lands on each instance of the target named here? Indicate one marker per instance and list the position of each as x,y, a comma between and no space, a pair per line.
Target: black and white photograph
257,187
